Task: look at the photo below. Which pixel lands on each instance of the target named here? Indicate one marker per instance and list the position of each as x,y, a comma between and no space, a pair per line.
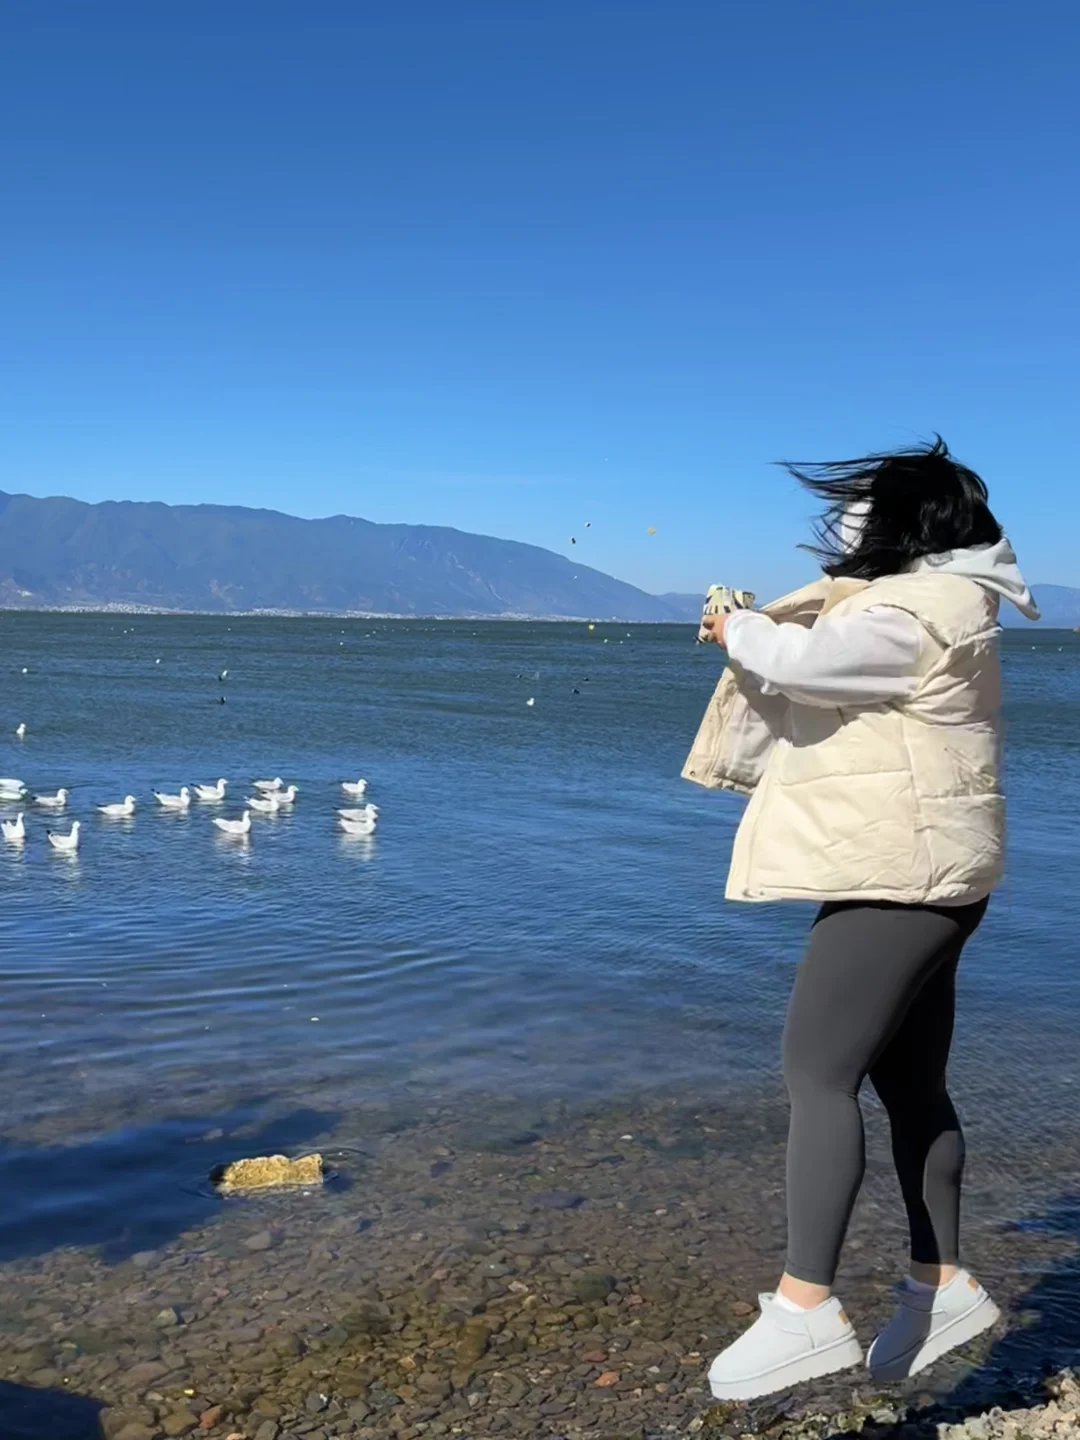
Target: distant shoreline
517,617
272,614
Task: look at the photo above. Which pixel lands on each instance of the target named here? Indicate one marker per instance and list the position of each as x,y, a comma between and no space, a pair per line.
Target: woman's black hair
914,502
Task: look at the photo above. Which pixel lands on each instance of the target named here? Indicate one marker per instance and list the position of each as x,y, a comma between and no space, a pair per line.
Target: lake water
535,933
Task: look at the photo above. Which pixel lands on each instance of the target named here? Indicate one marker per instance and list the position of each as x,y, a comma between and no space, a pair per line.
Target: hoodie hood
993,567
852,524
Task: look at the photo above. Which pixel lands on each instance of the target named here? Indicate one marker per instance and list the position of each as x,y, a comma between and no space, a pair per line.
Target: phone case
723,600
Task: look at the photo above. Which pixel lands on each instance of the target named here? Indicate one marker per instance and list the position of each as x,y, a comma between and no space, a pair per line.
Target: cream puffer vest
898,802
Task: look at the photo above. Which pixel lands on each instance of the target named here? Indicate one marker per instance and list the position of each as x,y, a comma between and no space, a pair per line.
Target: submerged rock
263,1171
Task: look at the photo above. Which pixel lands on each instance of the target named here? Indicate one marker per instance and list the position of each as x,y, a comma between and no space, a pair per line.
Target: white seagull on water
354,787
358,827
365,812
14,830
52,802
65,843
211,792
174,802
268,787
11,789
20,730
120,811
235,829
263,804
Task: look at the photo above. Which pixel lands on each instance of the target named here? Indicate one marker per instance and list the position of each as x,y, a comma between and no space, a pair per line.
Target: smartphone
723,600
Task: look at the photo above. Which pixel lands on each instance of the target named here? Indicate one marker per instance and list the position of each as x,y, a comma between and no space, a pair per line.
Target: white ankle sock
786,1304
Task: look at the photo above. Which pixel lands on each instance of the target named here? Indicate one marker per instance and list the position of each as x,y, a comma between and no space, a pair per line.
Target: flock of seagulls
269,797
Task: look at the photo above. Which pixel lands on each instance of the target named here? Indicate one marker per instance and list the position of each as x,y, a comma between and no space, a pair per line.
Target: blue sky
515,266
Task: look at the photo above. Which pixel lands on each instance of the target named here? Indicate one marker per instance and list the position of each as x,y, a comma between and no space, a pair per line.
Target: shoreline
160,610
480,1271
105,611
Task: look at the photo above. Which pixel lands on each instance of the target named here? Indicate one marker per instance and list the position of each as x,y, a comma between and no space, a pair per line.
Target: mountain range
60,552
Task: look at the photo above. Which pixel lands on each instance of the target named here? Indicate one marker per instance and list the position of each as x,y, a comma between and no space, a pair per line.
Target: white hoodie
868,658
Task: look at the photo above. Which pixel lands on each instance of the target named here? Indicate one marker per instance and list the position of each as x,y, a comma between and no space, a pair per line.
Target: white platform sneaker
927,1324
784,1347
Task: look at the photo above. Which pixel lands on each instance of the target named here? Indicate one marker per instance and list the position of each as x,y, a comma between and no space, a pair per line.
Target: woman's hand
715,625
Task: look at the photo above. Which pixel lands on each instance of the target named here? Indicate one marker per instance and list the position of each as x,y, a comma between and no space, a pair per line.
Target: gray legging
874,995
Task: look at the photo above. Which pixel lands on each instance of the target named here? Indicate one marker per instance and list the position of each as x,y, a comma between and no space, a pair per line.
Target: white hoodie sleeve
864,659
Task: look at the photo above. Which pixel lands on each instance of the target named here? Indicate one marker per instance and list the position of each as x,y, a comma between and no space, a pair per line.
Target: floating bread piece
263,1171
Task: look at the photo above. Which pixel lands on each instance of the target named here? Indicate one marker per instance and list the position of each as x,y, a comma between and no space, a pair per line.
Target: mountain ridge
60,553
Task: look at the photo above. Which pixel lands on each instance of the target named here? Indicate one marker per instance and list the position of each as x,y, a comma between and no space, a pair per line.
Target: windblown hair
907,504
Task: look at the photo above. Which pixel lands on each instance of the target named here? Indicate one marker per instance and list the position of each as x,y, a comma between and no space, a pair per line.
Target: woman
862,713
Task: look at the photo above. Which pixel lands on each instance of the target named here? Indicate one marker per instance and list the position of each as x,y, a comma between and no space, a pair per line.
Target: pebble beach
551,1274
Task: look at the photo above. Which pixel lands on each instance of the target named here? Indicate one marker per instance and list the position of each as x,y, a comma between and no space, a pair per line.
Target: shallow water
535,934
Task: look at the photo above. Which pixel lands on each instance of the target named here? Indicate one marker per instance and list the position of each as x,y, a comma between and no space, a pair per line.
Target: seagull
264,804
284,797
120,811
267,787
174,802
20,730
531,701
11,789
14,830
354,787
211,792
52,802
358,827
365,812
224,675
68,843
236,829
